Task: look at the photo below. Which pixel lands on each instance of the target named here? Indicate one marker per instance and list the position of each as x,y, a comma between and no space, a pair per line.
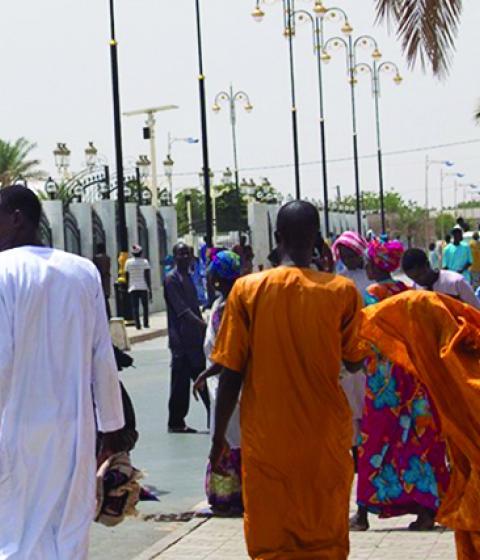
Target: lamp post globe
51,188
91,156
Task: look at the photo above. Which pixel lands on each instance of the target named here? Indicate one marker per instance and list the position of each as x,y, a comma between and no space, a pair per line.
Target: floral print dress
402,458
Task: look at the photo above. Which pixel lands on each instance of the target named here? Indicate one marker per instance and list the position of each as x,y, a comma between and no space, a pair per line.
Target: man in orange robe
437,338
283,337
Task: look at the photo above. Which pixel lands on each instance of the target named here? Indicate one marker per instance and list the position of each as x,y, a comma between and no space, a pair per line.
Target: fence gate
98,231
73,242
45,231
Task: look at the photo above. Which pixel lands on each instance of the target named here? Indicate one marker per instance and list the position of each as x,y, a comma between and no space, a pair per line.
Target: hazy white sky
56,87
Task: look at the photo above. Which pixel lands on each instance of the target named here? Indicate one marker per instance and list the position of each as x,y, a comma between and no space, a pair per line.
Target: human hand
150,295
219,448
199,384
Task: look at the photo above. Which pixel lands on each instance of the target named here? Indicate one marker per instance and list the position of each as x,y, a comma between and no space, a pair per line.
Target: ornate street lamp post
168,168
232,97
351,46
317,21
375,70
62,159
289,31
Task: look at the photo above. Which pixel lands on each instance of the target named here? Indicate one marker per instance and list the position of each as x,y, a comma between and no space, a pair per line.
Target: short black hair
178,246
414,258
299,223
431,247
101,248
18,197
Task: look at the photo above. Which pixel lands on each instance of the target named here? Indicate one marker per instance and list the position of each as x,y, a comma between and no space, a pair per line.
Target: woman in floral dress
401,457
224,491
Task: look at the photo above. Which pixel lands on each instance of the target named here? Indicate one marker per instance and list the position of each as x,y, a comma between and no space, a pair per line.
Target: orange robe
437,338
288,330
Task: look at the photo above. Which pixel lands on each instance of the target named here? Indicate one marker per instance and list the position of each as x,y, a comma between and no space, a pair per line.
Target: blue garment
457,257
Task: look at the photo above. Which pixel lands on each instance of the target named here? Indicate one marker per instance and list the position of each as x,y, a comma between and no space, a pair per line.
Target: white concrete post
150,215
132,223
258,214
83,213
169,215
107,213
54,212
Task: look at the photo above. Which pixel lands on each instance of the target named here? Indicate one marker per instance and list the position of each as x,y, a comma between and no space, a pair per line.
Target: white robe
56,359
232,434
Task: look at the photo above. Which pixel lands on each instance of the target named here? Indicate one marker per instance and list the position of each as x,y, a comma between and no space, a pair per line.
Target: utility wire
349,158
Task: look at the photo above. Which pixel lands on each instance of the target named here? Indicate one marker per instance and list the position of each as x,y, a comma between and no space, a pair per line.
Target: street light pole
233,97
351,46
428,164
123,234
375,71
289,32
203,116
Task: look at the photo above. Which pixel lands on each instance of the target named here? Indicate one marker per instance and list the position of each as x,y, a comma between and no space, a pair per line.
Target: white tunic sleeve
106,386
6,352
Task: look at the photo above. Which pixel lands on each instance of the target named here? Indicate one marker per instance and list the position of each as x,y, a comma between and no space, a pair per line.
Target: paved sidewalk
388,539
158,327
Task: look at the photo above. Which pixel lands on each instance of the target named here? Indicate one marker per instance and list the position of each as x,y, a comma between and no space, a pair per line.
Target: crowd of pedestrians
325,364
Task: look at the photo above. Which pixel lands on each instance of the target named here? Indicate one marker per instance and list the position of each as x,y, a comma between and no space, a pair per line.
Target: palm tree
15,163
427,29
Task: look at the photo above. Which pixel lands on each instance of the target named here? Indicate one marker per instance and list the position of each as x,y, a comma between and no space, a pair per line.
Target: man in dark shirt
186,331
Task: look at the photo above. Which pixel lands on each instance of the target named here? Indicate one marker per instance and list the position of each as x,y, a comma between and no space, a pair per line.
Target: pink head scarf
351,240
385,255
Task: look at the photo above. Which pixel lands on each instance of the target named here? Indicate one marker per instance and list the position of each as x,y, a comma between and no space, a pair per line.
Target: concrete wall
54,211
258,219
169,215
132,223
106,211
150,215
83,213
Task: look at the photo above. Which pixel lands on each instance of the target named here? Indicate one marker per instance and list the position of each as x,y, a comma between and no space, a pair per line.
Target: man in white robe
56,369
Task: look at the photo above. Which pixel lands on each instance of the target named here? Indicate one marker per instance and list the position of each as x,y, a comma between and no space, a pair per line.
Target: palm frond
427,29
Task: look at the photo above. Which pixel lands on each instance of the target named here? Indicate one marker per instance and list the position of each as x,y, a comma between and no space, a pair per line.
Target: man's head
476,236
416,266
298,224
243,240
431,247
20,212
457,234
182,255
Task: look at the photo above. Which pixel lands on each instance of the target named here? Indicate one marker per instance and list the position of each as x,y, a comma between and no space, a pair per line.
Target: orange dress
288,330
437,339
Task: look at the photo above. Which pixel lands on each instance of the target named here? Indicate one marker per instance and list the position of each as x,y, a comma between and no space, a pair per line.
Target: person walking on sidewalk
139,285
283,336
56,369
224,493
186,334
103,263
